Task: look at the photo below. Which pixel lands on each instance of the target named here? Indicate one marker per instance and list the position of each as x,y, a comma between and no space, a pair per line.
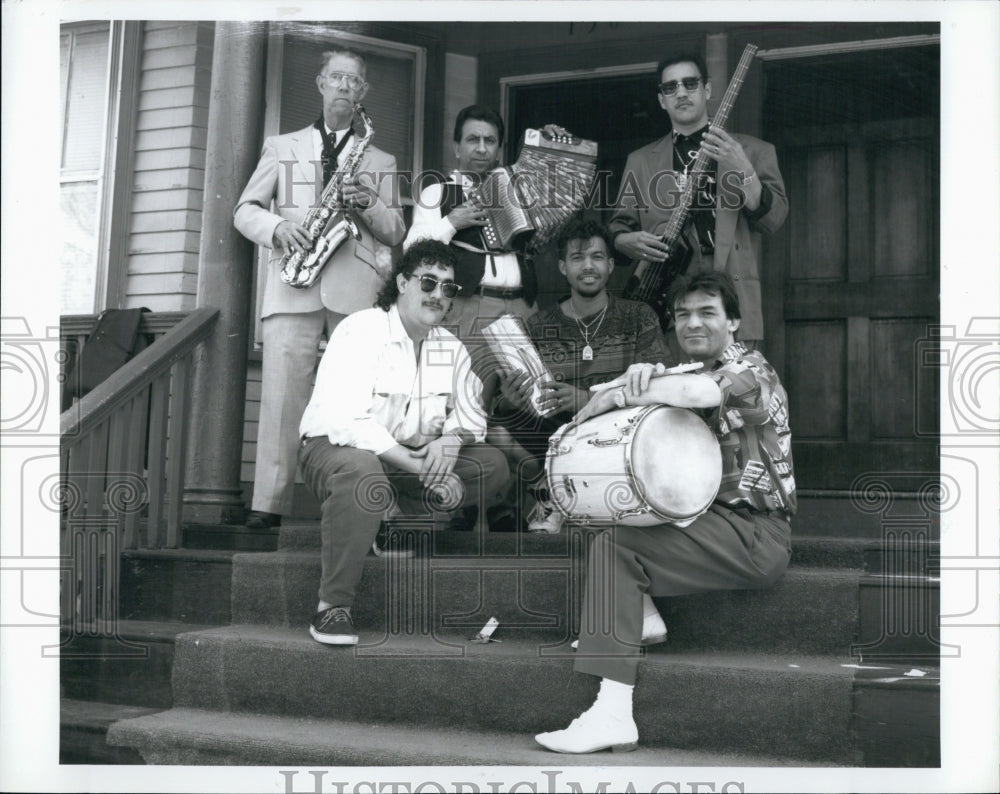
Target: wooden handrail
136,374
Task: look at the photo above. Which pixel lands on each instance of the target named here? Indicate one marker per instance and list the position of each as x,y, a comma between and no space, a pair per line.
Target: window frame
113,175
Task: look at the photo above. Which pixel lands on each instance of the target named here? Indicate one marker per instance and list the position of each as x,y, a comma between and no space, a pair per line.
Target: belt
504,293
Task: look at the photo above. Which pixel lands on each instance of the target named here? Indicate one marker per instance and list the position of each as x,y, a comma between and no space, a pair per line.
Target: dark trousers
356,488
722,549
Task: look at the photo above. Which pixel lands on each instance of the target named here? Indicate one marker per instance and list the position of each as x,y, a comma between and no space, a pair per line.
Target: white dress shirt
338,135
429,224
371,394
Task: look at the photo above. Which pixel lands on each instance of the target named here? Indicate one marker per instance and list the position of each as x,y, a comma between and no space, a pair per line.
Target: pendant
588,353
682,180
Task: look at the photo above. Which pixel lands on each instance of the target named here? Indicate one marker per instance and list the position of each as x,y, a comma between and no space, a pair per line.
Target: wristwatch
619,397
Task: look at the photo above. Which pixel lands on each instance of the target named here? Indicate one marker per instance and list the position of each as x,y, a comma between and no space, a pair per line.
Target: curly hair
581,228
422,252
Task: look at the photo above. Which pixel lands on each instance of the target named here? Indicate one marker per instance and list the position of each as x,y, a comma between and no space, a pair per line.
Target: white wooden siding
169,169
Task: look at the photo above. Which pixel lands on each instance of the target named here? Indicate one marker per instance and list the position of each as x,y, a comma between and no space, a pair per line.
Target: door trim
841,47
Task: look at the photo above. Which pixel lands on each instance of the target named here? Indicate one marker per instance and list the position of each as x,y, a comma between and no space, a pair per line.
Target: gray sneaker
334,626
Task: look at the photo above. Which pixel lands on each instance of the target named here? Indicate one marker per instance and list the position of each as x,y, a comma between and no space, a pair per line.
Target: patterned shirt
629,334
751,424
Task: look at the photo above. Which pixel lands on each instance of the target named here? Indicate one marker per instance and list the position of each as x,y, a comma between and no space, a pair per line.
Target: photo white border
970,87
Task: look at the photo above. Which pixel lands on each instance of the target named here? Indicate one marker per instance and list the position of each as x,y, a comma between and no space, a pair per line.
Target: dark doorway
851,281
620,112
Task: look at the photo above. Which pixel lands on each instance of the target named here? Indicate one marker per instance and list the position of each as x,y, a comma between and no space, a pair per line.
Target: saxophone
328,223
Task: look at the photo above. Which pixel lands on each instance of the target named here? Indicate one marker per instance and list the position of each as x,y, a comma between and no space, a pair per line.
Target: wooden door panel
901,197
835,466
884,297
816,356
896,404
817,221
852,281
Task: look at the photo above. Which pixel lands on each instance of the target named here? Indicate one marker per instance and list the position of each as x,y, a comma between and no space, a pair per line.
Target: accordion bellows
509,341
528,202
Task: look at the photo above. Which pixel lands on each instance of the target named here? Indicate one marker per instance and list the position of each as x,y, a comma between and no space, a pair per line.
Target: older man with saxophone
287,183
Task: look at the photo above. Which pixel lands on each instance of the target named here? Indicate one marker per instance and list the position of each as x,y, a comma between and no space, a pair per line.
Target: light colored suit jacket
288,176
637,210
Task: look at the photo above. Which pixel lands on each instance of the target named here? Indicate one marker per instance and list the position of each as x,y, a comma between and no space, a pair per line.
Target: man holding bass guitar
739,194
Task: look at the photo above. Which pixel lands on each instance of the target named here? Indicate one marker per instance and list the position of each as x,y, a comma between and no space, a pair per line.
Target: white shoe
592,731
654,630
545,518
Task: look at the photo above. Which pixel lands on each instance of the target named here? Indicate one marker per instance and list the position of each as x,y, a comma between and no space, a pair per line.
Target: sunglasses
670,88
428,284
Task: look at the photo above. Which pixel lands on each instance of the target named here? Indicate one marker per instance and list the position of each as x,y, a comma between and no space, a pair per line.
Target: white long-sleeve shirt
370,393
428,223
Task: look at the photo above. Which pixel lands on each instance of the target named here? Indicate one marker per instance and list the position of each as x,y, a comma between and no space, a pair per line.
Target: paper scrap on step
486,633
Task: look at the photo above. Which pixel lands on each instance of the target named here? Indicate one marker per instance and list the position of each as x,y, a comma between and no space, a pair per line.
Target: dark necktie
330,150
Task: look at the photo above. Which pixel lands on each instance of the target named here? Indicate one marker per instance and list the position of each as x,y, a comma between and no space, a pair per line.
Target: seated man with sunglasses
396,409
741,195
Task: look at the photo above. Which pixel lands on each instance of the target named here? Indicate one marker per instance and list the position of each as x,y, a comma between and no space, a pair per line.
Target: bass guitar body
650,281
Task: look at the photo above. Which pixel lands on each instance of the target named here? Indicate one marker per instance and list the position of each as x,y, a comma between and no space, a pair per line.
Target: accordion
509,341
527,203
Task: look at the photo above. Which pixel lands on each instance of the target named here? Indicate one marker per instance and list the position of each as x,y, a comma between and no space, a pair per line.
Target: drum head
677,462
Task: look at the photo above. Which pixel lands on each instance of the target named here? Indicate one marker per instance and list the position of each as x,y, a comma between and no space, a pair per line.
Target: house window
83,61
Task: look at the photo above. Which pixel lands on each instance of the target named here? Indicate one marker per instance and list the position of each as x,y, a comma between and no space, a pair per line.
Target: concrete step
808,611
899,619
83,728
232,537
865,513
131,665
197,736
185,585
784,705
814,551
897,715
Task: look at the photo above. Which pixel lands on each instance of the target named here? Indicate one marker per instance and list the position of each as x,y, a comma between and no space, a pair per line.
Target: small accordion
508,340
528,202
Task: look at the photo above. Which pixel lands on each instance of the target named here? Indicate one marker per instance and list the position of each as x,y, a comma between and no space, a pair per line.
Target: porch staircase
212,662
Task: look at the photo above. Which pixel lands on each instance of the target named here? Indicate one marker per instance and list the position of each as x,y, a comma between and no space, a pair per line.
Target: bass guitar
650,281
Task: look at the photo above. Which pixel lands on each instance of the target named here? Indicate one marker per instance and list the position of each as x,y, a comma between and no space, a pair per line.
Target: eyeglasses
353,80
428,284
670,88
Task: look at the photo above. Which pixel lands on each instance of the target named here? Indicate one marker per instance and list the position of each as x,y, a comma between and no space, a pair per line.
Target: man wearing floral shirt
743,541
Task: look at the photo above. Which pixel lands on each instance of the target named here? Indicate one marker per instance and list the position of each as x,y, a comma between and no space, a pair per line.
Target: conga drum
638,466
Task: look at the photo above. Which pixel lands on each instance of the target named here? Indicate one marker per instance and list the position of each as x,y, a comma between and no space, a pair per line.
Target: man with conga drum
586,338
741,541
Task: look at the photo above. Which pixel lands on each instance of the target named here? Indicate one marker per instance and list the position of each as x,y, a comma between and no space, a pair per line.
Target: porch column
212,491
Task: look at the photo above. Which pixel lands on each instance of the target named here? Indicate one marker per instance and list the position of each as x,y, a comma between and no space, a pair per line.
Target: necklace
692,156
588,351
